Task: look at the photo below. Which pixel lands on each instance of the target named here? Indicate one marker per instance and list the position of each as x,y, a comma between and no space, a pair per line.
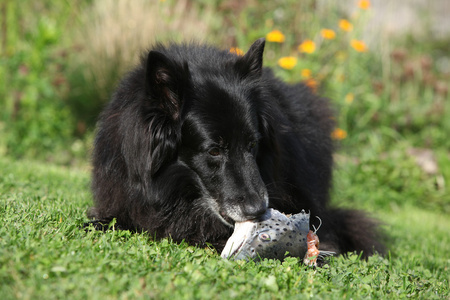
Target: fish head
271,236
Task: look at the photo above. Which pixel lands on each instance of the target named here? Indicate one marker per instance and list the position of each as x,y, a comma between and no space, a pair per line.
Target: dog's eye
252,145
214,152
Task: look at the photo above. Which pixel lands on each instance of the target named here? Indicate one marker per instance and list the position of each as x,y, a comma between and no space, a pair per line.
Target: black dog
196,139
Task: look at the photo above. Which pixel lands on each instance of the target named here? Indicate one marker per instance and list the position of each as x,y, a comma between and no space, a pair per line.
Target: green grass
45,255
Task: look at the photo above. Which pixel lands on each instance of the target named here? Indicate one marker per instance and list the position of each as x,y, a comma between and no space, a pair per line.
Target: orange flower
359,46
306,73
307,46
312,84
338,134
345,25
364,4
328,34
275,36
237,51
287,62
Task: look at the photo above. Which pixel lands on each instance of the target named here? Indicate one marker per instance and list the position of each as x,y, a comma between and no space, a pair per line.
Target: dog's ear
250,65
165,83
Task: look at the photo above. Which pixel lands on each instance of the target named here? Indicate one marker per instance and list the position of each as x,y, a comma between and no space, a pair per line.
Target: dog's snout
254,210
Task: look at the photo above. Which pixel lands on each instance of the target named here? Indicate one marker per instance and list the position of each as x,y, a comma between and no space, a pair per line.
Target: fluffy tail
352,230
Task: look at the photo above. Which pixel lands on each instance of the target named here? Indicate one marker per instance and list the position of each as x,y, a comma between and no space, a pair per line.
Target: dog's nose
254,210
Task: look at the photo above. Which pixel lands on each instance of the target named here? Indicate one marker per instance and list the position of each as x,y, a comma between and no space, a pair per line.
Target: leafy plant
35,120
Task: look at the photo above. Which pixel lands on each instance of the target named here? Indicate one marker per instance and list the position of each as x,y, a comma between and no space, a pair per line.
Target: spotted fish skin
271,236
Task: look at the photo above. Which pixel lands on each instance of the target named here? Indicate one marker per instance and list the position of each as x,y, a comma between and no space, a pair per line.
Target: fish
275,236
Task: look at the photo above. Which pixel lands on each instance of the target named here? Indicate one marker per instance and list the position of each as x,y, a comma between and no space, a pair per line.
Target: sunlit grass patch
44,252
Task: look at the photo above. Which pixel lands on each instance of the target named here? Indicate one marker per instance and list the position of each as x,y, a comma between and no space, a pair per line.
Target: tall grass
113,34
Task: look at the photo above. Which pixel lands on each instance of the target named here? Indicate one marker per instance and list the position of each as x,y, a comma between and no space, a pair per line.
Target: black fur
196,138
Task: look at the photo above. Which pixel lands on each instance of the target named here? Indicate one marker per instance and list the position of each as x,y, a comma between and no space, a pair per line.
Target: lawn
44,253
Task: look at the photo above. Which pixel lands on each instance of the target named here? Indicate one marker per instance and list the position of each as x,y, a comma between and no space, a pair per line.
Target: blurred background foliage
60,61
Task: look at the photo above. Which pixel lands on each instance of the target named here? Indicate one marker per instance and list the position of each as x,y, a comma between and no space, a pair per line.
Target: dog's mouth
230,214
220,212
231,217
227,219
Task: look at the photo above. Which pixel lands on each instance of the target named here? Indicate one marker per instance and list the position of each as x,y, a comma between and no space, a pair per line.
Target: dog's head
205,116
